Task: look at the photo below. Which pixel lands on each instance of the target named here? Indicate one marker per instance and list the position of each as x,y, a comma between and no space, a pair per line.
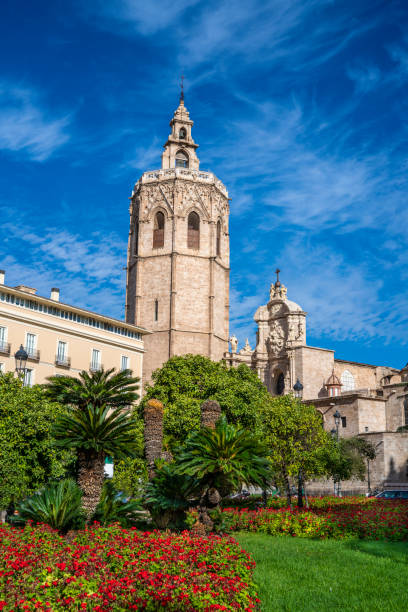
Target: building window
280,384
344,421
193,231
406,411
158,230
218,237
124,363
347,381
96,360
181,159
31,340
3,338
156,310
28,378
1,368
62,352
182,133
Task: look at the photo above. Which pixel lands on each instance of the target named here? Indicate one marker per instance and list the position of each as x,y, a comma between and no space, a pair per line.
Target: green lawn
300,575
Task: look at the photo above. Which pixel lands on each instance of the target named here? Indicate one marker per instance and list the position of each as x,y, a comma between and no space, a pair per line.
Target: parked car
393,494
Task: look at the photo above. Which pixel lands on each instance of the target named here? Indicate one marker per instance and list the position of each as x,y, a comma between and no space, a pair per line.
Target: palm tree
221,460
101,388
97,424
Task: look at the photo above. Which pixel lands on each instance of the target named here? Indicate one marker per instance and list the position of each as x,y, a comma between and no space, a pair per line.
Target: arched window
158,230
193,231
218,237
347,381
280,384
182,133
181,159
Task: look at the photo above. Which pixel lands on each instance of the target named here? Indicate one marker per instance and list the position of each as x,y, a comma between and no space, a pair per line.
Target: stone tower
178,254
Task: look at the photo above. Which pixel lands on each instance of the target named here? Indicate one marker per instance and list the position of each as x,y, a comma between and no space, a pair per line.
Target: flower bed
350,517
105,569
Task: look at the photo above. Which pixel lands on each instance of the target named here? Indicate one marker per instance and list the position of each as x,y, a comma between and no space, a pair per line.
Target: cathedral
178,288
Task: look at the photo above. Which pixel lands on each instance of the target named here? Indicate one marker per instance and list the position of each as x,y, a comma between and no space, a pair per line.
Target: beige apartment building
63,339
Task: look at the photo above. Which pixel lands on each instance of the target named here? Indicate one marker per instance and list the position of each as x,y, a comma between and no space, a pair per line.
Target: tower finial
277,271
182,88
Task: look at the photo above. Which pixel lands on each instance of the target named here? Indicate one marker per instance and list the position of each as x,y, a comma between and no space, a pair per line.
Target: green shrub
114,507
58,505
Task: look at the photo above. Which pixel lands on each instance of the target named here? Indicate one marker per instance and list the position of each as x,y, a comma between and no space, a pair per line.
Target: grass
301,575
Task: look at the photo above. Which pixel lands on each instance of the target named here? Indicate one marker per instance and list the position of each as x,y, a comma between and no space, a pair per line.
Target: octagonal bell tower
178,254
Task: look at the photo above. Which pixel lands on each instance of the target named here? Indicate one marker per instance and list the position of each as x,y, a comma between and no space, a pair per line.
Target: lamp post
298,389
337,419
21,357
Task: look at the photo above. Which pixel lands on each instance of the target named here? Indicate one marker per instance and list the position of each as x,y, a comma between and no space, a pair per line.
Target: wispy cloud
90,272
26,127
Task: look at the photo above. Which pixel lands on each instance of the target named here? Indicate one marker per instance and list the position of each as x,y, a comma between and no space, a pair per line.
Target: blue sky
299,107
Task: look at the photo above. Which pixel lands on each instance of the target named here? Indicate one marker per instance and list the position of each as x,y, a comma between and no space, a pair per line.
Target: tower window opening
218,237
156,310
158,230
280,384
182,133
193,231
181,159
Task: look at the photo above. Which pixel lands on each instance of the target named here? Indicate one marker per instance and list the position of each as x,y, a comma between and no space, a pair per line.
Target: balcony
62,361
33,354
4,348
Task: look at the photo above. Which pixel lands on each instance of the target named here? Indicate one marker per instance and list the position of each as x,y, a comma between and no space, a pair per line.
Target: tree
183,383
219,460
97,424
347,457
294,435
28,458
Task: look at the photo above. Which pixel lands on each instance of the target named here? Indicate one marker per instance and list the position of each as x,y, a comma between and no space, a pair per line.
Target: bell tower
178,254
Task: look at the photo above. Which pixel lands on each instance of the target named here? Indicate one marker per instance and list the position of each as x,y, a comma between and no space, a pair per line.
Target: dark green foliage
346,458
28,458
115,507
169,495
102,388
183,383
95,429
223,458
58,505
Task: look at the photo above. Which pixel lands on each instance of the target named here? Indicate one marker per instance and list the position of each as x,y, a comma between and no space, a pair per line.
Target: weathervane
182,88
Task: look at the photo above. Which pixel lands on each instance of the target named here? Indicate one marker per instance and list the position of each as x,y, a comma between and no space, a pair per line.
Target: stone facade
178,254
372,400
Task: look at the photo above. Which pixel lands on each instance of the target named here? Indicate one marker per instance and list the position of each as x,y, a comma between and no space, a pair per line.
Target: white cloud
89,271
25,126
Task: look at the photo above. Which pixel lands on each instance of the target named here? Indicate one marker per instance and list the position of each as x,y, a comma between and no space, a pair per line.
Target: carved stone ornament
234,343
276,339
247,349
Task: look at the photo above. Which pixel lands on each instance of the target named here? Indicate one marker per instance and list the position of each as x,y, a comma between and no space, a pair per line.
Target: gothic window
218,237
280,384
158,230
193,231
181,159
347,381
182,133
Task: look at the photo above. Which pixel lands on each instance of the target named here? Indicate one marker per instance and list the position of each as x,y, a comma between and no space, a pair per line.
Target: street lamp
337,419
21,357
298,389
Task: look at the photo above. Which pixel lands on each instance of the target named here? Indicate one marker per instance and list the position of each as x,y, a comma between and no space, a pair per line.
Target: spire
182,89
277,284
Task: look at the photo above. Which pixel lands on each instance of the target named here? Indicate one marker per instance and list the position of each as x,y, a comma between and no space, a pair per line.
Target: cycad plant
220,460
168,496
96,424
101,388
115,507
58,505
